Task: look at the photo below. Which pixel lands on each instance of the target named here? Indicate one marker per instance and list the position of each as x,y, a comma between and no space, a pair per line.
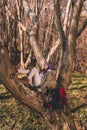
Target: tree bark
32,99
66,17
21,34
80,30
32,34
53,49
69,45
26,96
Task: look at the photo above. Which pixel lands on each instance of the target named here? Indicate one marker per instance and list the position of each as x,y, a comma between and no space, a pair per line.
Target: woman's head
46,66
33,64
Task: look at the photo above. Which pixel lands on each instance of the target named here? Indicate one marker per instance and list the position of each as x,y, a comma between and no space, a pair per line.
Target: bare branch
67,16
28,60
58,23
22,26
53,50
80,30
20,33
32,34
9,13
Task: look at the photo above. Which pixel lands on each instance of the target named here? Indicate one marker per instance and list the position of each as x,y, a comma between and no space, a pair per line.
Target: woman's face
45,67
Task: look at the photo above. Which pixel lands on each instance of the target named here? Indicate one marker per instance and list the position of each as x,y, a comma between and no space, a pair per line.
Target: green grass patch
15,116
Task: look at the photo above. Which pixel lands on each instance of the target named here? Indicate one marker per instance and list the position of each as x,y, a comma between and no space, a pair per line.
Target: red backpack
57,99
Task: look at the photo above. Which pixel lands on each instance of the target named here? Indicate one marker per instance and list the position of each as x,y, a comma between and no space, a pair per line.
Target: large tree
67,36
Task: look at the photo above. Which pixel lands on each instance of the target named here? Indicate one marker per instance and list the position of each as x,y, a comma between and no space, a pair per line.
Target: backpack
56,99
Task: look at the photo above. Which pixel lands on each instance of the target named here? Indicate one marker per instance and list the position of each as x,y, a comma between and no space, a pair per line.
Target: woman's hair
33,63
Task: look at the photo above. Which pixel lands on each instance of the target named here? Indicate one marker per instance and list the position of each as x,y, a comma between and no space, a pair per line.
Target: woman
34,77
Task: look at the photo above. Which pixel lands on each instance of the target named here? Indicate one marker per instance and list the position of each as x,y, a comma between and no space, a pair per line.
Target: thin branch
67,16
53,49
9,13
80,30
49,32
20,33
28,60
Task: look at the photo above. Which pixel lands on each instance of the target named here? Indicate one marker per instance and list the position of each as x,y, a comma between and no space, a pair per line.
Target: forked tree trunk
68,44
25,95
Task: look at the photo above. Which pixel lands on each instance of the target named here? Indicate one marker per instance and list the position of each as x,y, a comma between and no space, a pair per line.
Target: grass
15,116
77,92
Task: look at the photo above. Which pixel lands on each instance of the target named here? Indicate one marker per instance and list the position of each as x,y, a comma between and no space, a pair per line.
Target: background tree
13,27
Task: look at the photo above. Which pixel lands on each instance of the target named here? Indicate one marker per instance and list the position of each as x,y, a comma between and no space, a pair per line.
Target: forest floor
15,116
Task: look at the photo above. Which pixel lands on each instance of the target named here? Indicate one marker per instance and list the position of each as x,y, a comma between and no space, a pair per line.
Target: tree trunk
25,95
32,34
69,46
33,99
68,55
